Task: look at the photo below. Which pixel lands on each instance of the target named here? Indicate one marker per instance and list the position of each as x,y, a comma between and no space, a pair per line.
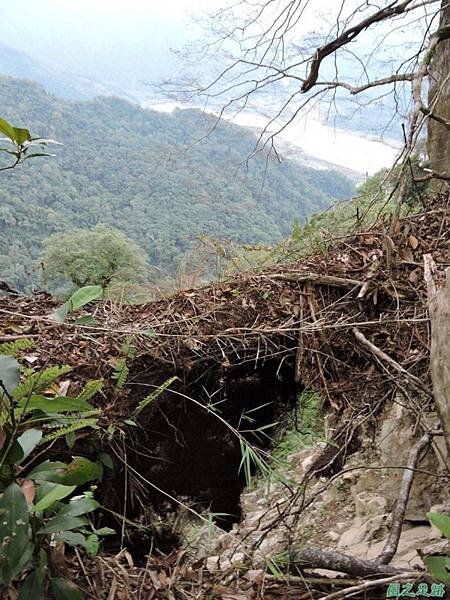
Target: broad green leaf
60,314
92,545
55,405
439,567
14,533
14,455
29,440
63,589
63,523
21,135
106,460
9,373
33,587
45,470
78,299
105,531
84,295
79,471
57,493
79,506
442,522
73,538
7,129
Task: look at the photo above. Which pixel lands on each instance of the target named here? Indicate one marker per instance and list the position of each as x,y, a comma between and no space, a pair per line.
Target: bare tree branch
348,36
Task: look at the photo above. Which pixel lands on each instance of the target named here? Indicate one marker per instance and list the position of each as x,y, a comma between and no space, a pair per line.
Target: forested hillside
128,168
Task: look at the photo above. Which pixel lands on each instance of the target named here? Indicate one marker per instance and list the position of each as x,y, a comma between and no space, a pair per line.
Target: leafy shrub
37,501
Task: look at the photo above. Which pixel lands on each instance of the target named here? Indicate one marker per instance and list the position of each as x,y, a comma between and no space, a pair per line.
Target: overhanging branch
348,36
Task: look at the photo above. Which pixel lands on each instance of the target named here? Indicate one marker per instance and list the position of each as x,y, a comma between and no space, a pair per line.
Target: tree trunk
439,309
438,133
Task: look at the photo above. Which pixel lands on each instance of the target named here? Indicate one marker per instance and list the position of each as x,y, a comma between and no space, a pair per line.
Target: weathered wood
315,558
439,310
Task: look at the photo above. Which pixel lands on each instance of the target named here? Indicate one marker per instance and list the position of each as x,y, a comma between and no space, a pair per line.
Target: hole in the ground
192,454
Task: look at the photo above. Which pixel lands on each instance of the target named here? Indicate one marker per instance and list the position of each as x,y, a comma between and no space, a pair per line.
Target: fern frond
39,382
15,347
121,373
153,395
62,431
128,350
90,389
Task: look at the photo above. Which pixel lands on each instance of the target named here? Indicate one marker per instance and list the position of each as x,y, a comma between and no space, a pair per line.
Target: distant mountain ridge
70,86
146,174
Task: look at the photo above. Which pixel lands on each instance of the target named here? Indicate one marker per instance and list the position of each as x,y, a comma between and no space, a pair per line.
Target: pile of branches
352,323
334,315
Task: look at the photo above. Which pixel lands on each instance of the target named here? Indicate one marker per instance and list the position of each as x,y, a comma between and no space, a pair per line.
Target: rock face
353,515
438,134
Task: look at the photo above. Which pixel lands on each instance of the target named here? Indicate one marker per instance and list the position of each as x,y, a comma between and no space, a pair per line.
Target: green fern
153,395
121,373
121,370
16,347
62,431
40,381
90,389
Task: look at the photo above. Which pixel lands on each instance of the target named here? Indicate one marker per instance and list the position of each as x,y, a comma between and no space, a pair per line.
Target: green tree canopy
98,256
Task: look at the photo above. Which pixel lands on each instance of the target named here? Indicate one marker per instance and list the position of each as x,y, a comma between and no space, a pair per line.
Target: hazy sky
113,40
101,38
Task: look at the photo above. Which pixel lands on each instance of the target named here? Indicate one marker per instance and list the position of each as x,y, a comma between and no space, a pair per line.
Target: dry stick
388,359
11,338
330,280
391,545
369,584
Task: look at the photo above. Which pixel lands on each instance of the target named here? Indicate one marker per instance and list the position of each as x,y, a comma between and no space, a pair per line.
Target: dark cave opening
190,451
